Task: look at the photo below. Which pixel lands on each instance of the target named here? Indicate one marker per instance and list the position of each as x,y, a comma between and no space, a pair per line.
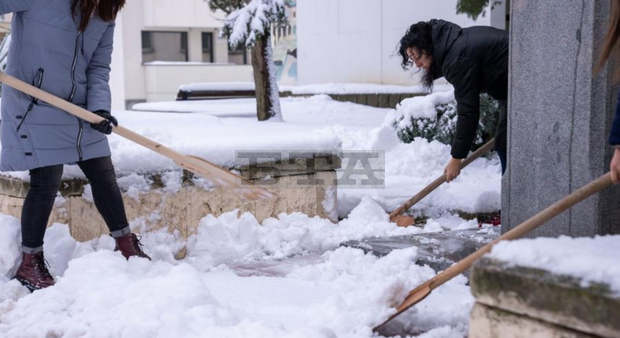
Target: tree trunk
267,93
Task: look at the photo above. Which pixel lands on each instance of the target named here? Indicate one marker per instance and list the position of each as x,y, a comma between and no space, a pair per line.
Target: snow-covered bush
434,117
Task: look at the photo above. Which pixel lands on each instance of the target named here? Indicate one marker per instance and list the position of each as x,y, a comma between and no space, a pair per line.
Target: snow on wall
567,256
355,40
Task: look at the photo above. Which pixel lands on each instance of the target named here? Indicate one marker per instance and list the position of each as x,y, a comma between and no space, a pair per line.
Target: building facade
356,40
161,44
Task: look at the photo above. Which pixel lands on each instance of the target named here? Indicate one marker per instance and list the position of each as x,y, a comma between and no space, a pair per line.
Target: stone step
540,301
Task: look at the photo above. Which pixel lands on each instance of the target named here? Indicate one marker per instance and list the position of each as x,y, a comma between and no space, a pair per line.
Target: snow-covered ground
322,124
286,277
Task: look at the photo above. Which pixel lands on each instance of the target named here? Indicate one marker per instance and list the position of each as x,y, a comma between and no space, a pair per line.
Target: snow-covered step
177,200
546,287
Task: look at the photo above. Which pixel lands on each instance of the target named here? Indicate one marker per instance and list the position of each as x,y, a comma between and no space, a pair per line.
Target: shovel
418,294
201,167
403,221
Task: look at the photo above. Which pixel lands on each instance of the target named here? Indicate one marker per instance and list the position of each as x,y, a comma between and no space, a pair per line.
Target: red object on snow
495,220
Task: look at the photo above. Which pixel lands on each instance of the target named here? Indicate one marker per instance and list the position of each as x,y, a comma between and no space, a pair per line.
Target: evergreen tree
474,8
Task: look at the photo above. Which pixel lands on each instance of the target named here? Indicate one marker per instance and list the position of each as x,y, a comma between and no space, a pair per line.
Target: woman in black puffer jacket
474,60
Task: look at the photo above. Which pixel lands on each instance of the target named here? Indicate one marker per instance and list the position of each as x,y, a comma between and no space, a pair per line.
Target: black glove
104,126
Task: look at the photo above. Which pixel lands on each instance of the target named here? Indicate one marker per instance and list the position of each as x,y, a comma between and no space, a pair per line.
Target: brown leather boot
129,245
33,273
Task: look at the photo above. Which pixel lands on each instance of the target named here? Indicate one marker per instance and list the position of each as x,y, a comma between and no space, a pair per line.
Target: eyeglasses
413,57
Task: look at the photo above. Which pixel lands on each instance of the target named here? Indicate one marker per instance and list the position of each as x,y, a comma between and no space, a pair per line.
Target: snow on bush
434,116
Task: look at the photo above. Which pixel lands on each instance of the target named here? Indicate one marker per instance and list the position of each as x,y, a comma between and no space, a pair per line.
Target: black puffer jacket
474,60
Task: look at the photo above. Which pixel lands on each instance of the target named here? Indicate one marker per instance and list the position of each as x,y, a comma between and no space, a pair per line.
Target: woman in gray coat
63,47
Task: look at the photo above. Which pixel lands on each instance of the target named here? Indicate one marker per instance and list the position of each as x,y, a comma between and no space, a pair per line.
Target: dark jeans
44,184
500,134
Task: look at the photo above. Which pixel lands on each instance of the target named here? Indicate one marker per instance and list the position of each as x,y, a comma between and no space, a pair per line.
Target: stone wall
514,301
299,187
559,115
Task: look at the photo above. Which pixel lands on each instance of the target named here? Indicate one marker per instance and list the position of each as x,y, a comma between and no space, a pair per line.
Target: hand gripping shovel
418,294
204,168
395,216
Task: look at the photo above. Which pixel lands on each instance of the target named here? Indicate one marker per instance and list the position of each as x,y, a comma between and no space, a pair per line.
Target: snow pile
10,245
339,293
410,167
567,256
229,238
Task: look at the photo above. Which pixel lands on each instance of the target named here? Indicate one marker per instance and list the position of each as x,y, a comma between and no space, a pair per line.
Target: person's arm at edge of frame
614,140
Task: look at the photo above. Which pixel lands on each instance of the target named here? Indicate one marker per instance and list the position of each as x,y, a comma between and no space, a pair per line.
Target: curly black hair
419,35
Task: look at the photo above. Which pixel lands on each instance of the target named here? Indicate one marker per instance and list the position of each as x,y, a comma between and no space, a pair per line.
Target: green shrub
441,127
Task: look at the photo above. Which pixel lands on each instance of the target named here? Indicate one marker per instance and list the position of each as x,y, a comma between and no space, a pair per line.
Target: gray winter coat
48,51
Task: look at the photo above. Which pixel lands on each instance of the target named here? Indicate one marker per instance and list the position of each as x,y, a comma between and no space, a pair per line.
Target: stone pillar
559,115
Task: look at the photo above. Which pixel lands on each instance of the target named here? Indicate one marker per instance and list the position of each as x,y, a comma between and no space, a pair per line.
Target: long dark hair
613,33
419,35
105,9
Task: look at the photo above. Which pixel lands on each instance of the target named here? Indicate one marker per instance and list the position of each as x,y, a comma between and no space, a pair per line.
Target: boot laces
41,265
136,242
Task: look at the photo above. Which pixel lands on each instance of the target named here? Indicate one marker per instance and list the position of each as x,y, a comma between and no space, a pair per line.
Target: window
238,56
147,42
164,46
183,45
207,47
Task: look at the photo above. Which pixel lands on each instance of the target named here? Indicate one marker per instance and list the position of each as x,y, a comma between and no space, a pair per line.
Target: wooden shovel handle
440,180
417,294
201,167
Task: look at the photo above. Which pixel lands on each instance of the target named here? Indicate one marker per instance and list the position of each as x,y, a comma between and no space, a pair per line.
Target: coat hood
444,34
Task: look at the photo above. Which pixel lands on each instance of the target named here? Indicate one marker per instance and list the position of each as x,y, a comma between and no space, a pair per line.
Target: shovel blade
403,220
415,296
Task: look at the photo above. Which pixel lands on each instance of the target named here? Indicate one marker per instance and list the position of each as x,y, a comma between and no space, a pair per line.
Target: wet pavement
438,250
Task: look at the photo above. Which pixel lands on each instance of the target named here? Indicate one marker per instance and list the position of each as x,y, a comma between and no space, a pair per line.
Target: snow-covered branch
254,20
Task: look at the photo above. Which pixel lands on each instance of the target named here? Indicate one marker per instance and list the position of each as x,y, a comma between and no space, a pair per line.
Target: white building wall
117,77
356,40
163,80
134,81
130,43
179,13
